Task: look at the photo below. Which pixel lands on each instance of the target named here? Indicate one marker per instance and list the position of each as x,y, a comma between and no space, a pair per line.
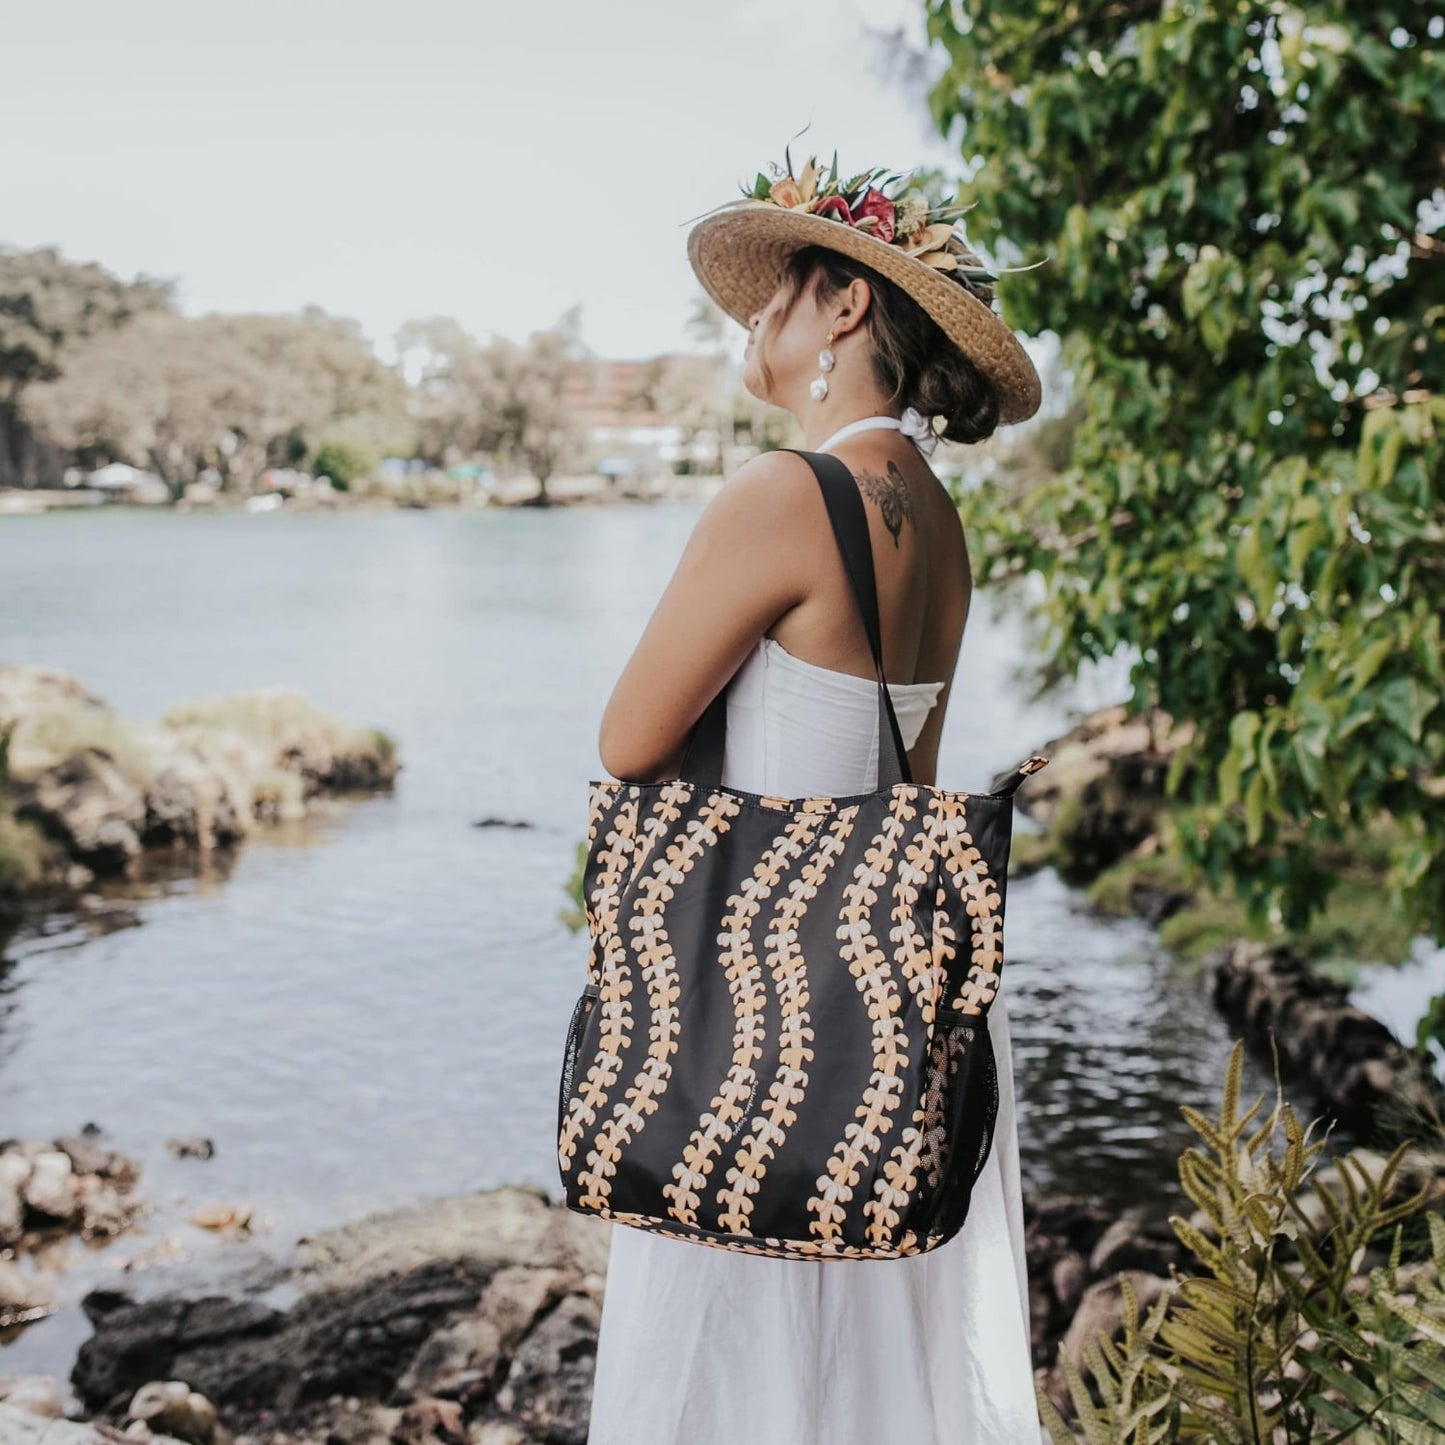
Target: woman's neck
822,423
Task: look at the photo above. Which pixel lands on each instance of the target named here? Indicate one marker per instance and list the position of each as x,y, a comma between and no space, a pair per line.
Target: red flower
834,203
875,203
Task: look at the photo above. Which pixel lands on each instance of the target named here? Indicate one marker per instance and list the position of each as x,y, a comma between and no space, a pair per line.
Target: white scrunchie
914,424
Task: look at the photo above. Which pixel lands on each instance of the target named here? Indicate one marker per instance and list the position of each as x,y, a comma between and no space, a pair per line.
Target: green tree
1242,205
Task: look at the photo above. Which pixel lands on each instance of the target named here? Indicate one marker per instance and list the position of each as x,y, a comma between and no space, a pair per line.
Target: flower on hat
877,207
922,230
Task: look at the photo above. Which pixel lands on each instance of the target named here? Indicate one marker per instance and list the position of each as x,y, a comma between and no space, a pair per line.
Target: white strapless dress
701,1346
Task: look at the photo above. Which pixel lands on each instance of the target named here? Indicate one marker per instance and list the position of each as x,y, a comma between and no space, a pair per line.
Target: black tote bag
782,1046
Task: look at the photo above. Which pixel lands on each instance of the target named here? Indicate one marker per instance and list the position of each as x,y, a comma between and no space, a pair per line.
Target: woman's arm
744,566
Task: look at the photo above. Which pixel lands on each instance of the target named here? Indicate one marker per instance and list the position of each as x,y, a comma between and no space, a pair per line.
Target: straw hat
738,250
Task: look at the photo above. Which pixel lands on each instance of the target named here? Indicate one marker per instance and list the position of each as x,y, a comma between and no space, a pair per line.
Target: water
369,1009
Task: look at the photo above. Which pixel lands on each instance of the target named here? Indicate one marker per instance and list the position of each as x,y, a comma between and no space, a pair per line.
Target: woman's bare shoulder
774,490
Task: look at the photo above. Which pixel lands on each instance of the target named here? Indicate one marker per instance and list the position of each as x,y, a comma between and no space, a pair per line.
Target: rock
499,1432
1102,794
221,1216
1356,1066
74,1182
171,1407
1044,1324
20,1427
105,790
14,1171
1069,1220
391,1297
549,1386
1072,1247
465,1357
88,805
37,1394
1069,1274
221,1347
86,1154
430,1419
104,1210
193,1147
493,1228
191,801
1155,903
50,1187
1124,1245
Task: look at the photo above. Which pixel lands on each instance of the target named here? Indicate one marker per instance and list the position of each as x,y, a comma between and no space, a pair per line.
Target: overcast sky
496,162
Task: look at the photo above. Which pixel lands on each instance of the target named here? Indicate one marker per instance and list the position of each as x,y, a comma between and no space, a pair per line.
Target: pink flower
834,204
875,203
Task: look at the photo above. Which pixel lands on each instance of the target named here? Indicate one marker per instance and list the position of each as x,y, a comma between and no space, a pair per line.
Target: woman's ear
859,298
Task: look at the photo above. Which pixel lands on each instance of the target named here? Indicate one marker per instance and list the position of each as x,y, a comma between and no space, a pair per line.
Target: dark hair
915,363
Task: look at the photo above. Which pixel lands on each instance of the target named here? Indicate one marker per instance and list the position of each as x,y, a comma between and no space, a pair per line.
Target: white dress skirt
703,1346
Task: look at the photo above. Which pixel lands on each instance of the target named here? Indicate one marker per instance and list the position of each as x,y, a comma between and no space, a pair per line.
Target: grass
276,718
24,851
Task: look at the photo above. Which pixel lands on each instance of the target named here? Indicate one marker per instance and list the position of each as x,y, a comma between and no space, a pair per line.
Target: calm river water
369,1009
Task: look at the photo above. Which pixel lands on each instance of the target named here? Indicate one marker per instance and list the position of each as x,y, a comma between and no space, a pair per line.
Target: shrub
1280,1339
342,462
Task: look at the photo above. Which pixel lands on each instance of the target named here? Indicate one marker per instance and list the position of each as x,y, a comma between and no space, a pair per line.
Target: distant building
664,409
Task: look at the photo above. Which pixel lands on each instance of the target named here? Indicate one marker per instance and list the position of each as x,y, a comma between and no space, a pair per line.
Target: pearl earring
819,385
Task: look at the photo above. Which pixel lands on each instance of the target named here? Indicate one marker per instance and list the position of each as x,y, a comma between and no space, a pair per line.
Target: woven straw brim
738,253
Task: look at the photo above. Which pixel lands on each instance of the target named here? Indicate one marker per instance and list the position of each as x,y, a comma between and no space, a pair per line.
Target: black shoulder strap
704,758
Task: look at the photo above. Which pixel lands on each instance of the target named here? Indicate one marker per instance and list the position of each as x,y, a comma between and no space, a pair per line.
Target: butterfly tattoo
891,494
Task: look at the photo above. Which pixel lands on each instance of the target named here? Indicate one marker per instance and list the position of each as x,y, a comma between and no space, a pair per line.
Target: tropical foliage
1279,1338
1243,203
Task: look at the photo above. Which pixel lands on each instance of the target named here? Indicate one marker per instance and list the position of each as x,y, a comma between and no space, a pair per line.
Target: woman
861,328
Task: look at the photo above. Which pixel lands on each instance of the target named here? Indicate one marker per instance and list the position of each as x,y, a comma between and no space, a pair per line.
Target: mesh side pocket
968,1116
581,1013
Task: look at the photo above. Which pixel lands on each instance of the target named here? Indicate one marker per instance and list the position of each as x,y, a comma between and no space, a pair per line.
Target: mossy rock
26,855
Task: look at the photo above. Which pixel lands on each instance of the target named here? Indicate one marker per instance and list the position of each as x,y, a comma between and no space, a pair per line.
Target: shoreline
88,796
475,1317
1103,819
566,490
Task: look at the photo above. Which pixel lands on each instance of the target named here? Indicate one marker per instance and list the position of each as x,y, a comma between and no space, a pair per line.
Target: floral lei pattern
908,221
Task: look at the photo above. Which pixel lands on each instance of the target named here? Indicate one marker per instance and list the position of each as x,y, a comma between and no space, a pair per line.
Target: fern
1278,1339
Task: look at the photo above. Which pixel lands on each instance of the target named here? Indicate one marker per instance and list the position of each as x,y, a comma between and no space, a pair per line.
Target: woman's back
923,580
707,1345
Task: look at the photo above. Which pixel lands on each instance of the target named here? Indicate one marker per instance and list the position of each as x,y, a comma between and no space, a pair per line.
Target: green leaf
1255,798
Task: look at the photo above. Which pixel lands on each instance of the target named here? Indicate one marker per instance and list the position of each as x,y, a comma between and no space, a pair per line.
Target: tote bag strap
703,760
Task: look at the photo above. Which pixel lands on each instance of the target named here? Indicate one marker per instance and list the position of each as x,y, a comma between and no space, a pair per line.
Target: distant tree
447,369
533,423
502,399
712,328
233,392
161,392
326,381
49,306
